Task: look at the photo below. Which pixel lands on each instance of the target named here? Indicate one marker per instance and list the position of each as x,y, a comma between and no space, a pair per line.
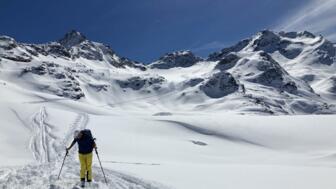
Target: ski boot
82,183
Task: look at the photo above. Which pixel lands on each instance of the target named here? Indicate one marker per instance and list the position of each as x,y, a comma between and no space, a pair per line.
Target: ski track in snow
49,150
43,142
80,123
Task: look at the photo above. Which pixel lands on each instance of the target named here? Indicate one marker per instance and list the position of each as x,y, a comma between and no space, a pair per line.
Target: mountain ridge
268,73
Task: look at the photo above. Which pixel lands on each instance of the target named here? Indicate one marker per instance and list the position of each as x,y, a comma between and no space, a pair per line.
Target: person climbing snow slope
86,144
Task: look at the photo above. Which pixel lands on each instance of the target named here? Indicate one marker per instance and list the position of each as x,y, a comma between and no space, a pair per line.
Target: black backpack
88,134
86,143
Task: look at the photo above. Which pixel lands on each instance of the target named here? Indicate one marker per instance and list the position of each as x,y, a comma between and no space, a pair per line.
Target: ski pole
59,174
101,165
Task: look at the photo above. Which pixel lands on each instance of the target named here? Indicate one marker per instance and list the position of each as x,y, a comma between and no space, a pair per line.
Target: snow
157,128
276,149
140,150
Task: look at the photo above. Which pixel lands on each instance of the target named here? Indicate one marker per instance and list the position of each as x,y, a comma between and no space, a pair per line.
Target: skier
86,144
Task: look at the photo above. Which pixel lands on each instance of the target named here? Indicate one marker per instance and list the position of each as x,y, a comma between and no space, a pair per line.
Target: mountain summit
71,39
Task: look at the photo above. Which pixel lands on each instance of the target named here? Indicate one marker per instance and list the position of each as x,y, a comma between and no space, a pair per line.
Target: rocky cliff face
181,59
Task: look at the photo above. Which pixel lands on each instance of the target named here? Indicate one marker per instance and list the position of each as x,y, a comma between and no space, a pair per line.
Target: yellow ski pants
85,166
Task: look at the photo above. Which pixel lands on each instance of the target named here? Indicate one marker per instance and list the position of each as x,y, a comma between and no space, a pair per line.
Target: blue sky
143,30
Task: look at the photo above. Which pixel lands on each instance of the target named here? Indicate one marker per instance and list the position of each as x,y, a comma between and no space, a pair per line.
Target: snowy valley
258,114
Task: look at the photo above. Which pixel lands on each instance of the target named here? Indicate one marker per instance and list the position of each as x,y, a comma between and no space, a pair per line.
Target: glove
67,150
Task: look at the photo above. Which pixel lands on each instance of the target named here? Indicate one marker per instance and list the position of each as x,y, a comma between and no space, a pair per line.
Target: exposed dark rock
270,42
60,76
57,50
7,43
227,62
270,77
271,72
332,84
176,59
69,88
308,78
39,49
88,51
220,85
132,64
293,35
22,58
326,53
290,87
236,48
71,39
267,41
67,85
200,143
38,70
287,52
137,83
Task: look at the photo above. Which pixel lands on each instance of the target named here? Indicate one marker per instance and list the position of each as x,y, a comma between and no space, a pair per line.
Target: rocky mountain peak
72,38
176,59
266,40
7,42
177,54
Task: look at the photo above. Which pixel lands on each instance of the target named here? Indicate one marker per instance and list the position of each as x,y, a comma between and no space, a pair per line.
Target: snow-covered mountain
157,125
269,73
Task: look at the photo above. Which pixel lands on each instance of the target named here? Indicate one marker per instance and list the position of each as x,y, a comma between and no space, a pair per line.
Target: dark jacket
85,144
